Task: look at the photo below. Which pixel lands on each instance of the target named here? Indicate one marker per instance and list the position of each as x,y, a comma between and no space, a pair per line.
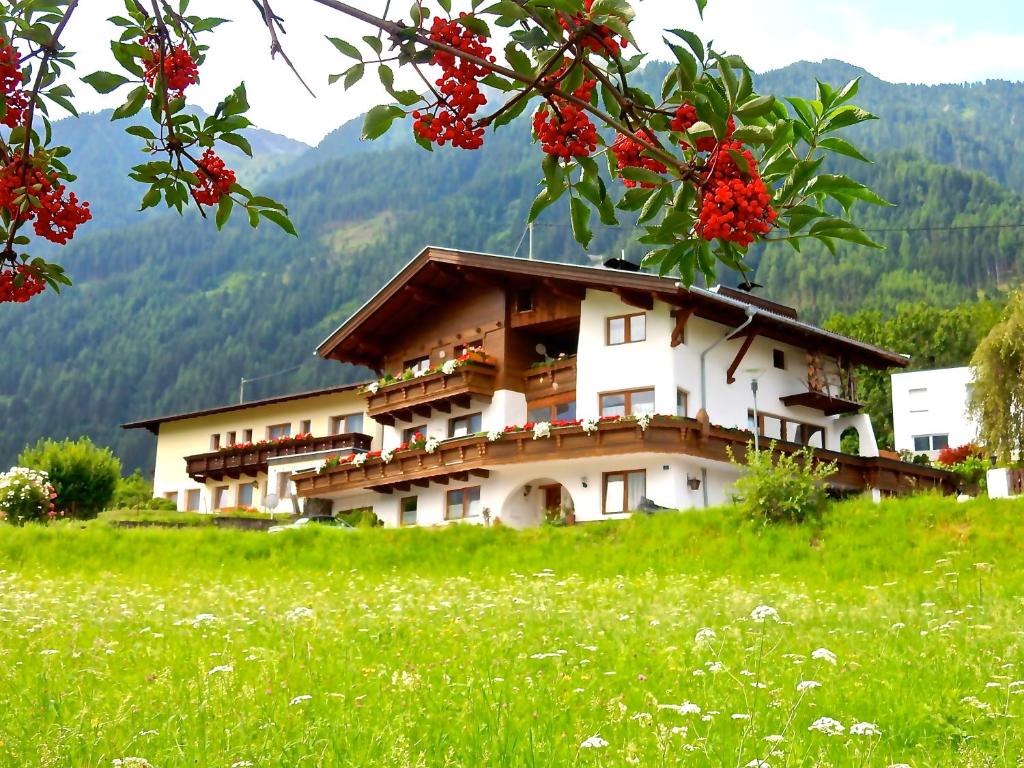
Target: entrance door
552,500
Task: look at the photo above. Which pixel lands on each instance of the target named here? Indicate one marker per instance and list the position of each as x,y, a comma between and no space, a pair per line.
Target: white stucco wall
932,402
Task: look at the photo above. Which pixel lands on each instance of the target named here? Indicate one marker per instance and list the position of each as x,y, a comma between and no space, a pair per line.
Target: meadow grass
682,639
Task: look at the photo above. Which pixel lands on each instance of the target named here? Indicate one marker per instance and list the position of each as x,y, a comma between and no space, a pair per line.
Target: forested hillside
167,315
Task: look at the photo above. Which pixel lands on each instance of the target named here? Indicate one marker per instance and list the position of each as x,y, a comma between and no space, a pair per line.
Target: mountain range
167,315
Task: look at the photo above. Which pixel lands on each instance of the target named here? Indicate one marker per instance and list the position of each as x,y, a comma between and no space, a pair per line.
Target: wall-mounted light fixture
583,481
527,489
693,483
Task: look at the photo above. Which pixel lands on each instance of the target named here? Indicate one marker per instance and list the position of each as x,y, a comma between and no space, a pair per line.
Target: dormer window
524,300
626,329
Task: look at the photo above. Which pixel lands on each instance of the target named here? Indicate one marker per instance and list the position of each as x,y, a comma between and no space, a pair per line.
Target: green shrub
25,496
972,473
132,491
778,487
84,475
361,518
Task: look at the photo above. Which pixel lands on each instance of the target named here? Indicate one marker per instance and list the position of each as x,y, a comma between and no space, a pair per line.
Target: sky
915,41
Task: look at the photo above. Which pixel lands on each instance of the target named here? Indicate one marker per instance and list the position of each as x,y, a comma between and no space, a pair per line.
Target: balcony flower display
541,429
494,435
284,440
589,425
431,444
447,368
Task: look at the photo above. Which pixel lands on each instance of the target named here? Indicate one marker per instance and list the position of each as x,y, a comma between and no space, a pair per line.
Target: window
343,425
779,359
305,426
629,403
230,440
284,484
172,496
215,442
462,349
624,490
246,494
192,500
930,442
418,365
682,402
408,514
247,436
780,428
277,431
220,497
461,426
524,300
918,400
626,329
464,502
556,412
410,432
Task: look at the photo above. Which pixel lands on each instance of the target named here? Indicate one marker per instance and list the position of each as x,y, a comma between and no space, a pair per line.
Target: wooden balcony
464,457
556,378
252,461
820,401
418,398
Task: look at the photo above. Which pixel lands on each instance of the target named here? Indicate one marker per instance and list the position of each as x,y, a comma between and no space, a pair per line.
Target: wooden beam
423,482
460,477
442,405
730,376
480,472
635,298
573,292
423,297
681,316
462,401
422,410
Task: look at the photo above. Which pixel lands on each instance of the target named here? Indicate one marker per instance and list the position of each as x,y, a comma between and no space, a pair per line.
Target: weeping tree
997,398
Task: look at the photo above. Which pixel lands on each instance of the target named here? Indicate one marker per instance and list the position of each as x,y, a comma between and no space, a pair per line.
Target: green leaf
842,147
579,214
843,230
618,8
753,134
655,203
141,131
691,40
346,48
835,183
280,219
236,140
641,175
105,82
378,120
374,42
845,116
755,107
847,92
353,75
518,60
701,4
474,24
135,101
542,201
224,210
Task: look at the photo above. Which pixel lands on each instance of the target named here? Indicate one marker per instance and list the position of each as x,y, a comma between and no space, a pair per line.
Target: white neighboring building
929,410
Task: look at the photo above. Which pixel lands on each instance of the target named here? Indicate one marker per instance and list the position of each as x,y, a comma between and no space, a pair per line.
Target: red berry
213,179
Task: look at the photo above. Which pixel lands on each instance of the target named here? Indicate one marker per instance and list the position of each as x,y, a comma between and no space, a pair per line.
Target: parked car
334,522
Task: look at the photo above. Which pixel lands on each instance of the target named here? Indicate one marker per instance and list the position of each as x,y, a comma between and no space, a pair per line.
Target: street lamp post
757,442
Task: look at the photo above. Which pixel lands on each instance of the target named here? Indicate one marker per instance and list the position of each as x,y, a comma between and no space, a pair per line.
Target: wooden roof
439,275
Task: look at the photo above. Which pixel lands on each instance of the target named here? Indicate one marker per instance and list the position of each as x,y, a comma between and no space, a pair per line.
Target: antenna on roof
530,231
244,381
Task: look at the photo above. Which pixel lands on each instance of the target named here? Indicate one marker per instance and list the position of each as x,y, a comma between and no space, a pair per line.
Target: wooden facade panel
216,465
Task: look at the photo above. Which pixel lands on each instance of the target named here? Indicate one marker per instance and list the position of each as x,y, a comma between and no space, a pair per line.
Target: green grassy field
614,644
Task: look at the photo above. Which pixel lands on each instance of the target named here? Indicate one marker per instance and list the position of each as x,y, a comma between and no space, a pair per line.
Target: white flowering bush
387,456
359,459
449,367
778,487
541,429
26,495
589,426
494,435
431,444
644,421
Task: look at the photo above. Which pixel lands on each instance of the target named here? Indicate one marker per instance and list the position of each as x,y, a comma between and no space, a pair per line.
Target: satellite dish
271,501
541,349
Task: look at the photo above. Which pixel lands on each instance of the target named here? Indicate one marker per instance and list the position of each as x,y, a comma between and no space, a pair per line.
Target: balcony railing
419,397
252,460
554,378
476,455
831,388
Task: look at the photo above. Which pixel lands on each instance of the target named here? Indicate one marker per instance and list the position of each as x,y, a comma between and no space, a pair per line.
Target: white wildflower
132,762
739,716
298,613
704,636
594,742
806,685
756,763
223,668
775,738
827,726
864,729
299,699
764,612
49,652
686,708
824,654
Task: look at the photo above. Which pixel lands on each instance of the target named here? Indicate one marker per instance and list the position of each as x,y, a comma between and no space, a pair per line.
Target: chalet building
512,389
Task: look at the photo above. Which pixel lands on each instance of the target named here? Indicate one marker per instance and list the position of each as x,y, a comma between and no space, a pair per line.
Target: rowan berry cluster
686,117
629,153
29,194
180,71
600,39
12,84
459,95
213,179
31,283
563,129
736,203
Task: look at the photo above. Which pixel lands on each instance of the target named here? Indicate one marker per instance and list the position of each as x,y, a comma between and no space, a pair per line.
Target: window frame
230,438
627,397
478,415
340,424
805,430
286,425
466,501
685,396
246,435
215,441
931,442
255,494
417,364
627,329
306,426
551,405
625,489
402,510
193,493
408,432
218,492
779,358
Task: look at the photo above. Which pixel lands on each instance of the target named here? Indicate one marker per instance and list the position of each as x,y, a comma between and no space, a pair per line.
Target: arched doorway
529,504
849,441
